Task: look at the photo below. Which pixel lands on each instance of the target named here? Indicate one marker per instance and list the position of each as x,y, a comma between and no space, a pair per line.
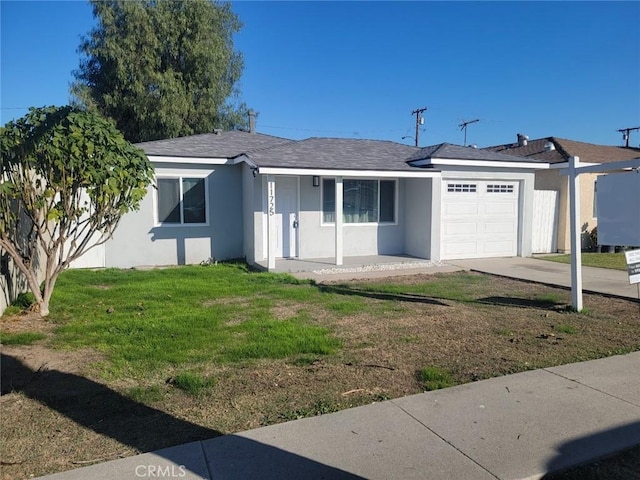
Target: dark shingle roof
336,153
588,152
211,145
448,151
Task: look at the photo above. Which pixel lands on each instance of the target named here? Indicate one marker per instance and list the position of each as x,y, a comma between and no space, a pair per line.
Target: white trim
339,236
479,163
347,173
192,160
180,178
574,222
271,223
604,167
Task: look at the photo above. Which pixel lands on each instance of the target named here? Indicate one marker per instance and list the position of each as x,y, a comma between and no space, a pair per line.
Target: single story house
247,195
551,196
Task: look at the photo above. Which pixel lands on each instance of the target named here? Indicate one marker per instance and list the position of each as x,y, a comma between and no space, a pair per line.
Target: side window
328,200
181,200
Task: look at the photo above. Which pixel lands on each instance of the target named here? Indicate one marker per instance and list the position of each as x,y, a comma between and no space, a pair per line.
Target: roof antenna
625,134
463,127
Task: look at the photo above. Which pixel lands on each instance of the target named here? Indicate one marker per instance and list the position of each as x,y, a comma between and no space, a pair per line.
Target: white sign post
574,201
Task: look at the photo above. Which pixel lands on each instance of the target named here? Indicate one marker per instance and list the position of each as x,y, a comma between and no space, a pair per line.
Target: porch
354,264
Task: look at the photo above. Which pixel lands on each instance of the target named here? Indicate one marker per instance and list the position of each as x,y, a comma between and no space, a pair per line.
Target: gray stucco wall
418,215
139,241
248,191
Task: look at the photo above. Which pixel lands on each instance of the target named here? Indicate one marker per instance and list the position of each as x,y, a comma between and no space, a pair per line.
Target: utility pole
463,126
625,134
419,120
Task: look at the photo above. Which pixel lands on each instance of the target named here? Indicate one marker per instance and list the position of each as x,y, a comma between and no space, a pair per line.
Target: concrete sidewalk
513,427
600,280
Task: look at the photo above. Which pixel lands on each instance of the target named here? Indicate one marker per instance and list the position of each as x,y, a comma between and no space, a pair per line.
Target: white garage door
479,219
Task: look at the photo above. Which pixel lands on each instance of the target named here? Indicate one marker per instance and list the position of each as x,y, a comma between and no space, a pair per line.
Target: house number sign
271,202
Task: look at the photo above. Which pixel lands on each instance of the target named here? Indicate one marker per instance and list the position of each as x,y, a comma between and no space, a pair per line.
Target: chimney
252,121
523,140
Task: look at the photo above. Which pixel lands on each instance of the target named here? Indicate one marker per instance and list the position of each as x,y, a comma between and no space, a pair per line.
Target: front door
286,216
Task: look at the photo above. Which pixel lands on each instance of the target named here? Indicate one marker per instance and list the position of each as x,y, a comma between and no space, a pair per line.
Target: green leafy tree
162,68
67,177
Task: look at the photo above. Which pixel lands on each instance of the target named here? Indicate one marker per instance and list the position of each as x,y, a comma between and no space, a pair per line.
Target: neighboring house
551,211
247,195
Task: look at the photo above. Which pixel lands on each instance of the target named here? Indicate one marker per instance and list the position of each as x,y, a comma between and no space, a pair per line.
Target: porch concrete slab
617,376
377,441
185,461
599,280
525,425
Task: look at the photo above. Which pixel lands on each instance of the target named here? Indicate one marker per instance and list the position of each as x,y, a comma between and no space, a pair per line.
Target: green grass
22,338
434,378
461,287
149,394
503,331
145,321
568,329
614,261
550,299
192,383
21,303
148,321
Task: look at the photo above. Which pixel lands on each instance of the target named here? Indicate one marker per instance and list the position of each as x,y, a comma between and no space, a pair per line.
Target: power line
391,130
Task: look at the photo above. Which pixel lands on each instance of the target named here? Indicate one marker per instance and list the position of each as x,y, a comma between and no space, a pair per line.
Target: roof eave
453,162
327,172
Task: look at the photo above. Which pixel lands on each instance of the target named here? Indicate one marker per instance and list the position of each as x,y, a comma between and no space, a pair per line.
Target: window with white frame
181,200
364,201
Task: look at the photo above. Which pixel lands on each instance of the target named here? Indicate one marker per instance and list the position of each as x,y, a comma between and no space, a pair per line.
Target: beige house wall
552,179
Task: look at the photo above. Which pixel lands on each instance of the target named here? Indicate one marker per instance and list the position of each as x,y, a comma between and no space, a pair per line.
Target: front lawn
133,361
615,261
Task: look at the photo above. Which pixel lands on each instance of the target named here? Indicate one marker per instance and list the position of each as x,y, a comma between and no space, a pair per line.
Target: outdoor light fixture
316,181
254,170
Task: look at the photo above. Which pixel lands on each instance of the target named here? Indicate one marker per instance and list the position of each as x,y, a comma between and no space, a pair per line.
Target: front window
364,201
181,200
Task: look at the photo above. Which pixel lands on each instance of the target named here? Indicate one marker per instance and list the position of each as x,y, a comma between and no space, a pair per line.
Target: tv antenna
626,134
463,127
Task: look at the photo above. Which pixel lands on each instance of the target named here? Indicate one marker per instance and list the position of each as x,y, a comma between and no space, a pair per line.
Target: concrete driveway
600,280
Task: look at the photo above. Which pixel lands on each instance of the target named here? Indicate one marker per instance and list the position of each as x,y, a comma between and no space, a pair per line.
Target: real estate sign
633,265
618,209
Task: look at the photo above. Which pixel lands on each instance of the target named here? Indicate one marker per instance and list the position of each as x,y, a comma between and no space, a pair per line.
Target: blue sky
358,69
